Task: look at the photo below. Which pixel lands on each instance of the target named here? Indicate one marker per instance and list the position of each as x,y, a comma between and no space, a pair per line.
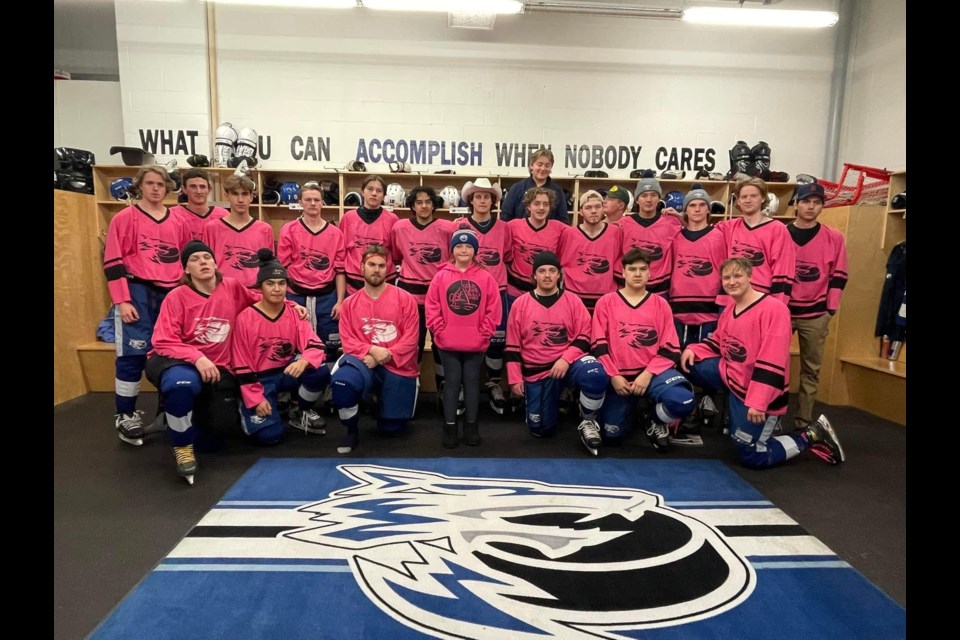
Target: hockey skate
186,462
590,435
130,427
308,421
823,441
497,401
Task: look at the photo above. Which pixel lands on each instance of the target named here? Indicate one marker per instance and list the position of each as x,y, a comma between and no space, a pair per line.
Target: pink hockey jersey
769,249
357,236
527,243
821,272
496,247
754,350
235,250
390,321
655,236
420,251
263,345
695,281
312,259
194,222
191,324
588,263
463,308
538,335
629,339
142,247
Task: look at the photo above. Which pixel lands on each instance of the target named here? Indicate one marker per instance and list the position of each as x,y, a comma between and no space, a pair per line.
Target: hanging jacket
894,296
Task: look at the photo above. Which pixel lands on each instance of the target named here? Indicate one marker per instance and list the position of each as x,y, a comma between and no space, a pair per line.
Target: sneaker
308,421
658,435
590,435
130,427
497,401
823,442
349,442
186,462
687,434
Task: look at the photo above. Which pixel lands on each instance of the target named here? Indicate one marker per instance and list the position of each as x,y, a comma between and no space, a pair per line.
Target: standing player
421,246
749,354
312,250
197,211
587,252
463,309
548,345
141,262
765,242
378,328
698,251
636,342
820,279
541,164
274,351
496,250
190,360
236,238
652,232
531,235
367,225
616,204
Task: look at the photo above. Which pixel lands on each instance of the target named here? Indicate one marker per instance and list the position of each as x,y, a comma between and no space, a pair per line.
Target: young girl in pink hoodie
463,309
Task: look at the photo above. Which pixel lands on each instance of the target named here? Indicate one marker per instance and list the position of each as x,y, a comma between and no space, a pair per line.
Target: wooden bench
877,385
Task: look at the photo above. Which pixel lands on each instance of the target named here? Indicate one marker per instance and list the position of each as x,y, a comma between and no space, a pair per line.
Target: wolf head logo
520,559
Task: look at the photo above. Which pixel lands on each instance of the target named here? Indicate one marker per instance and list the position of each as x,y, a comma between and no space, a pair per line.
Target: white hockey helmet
450,196
395,196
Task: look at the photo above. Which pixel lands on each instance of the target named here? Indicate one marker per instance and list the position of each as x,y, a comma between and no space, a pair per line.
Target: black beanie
191,248
545,258
270,267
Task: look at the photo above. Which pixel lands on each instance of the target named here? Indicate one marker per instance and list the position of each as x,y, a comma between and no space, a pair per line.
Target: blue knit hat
465,236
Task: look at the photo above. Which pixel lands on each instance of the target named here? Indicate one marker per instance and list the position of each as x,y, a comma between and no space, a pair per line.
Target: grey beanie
648,184
695,194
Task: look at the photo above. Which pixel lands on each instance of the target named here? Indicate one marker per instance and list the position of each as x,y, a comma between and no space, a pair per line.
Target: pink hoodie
463,308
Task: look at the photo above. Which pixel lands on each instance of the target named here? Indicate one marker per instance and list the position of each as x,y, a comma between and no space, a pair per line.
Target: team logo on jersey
734,349
807,272
550,334
463,297
425,252
362,242
240,257
693,266
489,257
593,264
638,335
315,260
379,331
211,330
510,559
754,255
276,349
652,248
527,251
160,251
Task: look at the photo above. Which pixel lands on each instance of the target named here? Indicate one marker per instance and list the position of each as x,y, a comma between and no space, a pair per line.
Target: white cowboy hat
482,184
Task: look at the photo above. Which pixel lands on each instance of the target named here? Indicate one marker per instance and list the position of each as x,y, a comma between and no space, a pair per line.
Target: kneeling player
635,339
379,329
548,338
275,351
749,354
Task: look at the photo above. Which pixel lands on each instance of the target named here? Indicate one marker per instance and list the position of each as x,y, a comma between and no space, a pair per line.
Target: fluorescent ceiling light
306,4
740,17
447,6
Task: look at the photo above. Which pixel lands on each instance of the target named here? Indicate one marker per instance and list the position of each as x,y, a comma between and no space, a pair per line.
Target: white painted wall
556,79
874,129
87,115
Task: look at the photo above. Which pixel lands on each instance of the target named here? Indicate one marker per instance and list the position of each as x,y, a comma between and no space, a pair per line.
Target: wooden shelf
893,367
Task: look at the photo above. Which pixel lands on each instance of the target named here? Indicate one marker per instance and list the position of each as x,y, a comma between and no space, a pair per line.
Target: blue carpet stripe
271,561
272,568
260,504
808,564
721,504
